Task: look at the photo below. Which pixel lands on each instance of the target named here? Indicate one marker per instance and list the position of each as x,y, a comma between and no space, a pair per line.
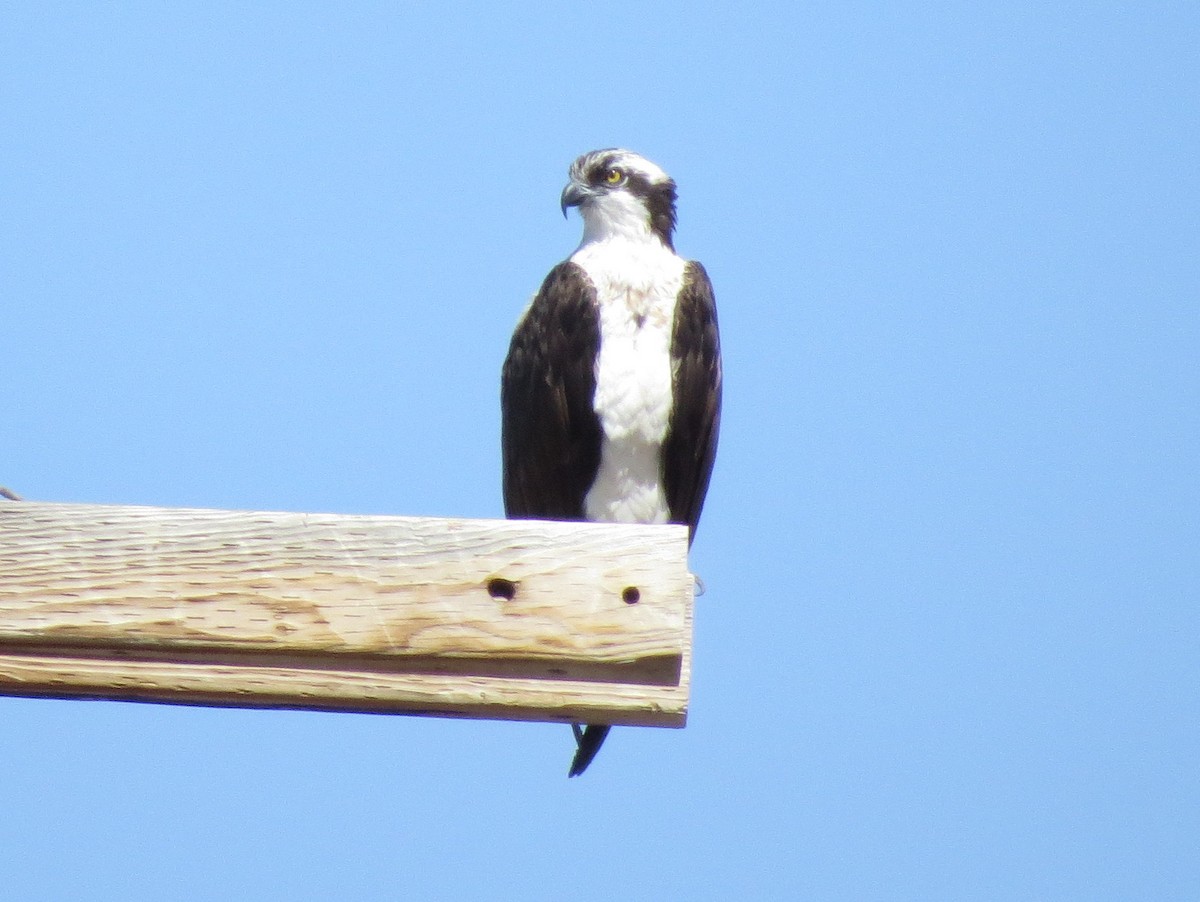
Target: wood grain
345,612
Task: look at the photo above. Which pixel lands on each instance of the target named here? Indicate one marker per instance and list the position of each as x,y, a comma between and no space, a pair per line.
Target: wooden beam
517,619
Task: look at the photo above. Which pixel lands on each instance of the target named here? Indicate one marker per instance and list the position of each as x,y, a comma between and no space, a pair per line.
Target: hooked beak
572,196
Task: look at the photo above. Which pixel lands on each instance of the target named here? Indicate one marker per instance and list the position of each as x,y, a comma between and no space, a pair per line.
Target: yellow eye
614,176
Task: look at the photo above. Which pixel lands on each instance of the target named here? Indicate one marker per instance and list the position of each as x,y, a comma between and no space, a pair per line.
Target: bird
611,389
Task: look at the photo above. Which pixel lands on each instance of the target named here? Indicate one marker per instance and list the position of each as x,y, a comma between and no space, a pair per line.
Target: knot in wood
502,588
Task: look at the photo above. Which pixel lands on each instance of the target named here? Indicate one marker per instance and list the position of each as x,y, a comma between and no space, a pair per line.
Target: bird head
621,194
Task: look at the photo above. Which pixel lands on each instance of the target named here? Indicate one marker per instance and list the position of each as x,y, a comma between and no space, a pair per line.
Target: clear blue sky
270,255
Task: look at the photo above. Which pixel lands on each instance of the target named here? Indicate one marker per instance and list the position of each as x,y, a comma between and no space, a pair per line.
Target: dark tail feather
588,742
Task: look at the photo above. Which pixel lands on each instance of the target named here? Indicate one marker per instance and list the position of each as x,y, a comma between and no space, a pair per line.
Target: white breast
637,283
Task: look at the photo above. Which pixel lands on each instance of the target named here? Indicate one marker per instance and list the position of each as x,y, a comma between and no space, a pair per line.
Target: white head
621,194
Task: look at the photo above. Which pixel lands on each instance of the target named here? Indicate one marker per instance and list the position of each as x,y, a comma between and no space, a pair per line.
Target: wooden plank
494,618
245,686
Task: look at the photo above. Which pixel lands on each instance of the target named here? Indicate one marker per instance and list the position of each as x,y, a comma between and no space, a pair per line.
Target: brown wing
550,431
691,442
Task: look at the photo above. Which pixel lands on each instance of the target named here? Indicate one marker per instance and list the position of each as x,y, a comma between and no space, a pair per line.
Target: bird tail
587,741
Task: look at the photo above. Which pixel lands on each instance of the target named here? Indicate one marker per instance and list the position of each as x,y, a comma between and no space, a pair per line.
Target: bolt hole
502,588
631,595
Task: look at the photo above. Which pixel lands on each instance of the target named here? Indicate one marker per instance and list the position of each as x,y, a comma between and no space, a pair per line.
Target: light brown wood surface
344,612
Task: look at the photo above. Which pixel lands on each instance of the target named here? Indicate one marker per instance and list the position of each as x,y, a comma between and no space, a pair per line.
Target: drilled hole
502,588
631,595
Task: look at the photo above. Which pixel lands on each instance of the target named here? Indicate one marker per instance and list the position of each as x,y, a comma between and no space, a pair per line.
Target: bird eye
614,176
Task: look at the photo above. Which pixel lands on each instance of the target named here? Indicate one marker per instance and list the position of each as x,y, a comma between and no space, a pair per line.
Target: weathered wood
480,618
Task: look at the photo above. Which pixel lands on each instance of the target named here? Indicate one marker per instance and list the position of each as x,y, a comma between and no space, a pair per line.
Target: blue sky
269,256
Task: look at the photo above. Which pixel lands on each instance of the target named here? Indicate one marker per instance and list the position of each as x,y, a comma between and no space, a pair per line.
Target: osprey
611,391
